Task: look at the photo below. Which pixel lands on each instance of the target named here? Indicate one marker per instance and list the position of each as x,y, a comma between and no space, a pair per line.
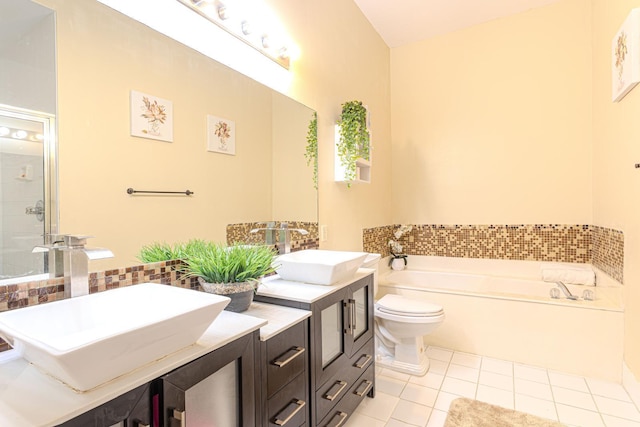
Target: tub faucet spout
566,291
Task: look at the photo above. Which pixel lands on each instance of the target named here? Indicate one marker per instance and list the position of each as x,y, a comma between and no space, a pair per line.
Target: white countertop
31,398
304,292
279,317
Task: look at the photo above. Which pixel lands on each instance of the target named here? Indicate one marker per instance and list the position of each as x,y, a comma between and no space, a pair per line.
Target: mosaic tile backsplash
242,233
599,246
167,272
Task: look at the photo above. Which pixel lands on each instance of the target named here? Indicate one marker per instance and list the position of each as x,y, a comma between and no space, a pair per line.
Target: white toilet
401,324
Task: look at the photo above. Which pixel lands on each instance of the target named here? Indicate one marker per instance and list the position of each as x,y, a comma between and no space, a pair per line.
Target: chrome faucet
269,232
566,291
284,235
75,261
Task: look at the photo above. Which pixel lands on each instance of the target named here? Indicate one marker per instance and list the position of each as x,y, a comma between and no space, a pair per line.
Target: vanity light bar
20,134
243,29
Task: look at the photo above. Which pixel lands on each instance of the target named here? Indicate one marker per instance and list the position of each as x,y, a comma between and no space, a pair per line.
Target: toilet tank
372,261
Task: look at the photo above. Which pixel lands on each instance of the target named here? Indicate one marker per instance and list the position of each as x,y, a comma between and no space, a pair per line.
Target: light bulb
246,28
223,12
266,42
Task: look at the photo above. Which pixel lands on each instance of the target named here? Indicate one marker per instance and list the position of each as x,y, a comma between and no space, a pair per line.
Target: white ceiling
401,22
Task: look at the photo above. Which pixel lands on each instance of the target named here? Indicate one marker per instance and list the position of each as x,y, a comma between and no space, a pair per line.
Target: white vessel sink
89,340
319,267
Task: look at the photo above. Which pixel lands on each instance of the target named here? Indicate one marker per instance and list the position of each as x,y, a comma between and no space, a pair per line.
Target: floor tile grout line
514,394
553,396
604,423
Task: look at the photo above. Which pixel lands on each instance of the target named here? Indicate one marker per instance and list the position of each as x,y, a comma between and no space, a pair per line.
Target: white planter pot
397,264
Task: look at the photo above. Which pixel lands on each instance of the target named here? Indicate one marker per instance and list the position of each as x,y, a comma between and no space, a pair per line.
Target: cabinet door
360,315
329,336
131,409
216,389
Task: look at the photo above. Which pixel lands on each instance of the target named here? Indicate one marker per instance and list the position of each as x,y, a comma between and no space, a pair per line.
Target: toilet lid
397,304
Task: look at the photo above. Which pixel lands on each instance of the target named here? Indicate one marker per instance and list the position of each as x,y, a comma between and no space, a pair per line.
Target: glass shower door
26,192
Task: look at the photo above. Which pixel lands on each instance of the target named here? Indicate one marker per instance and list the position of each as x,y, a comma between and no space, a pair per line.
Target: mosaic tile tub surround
602,247
608,251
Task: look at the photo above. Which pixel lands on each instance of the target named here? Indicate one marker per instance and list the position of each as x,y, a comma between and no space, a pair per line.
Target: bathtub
502,309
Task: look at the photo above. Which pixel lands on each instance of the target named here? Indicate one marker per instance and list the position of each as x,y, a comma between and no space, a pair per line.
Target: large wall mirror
102,56
27,135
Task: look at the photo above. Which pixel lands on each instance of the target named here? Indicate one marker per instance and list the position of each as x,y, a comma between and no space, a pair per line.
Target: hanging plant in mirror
354,137
311,150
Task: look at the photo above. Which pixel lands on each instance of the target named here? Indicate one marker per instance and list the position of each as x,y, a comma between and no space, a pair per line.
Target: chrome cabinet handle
367,358
142,425
293,408
353,315
347,329
341,385
367,386
342,417
296,351
180,416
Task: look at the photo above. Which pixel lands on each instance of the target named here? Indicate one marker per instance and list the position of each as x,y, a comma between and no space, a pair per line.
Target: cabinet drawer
286,356
290,406
350,401
330,393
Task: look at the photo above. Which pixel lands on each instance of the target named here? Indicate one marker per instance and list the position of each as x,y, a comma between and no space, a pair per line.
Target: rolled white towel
569,275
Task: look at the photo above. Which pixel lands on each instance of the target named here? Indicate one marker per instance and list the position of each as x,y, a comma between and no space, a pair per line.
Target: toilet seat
397,305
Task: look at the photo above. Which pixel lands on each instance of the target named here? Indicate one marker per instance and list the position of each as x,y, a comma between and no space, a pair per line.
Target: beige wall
616,148
512,122
102,56
343,59
293,198
492,124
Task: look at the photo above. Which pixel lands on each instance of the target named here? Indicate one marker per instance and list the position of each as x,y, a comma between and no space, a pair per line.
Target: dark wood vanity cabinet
343,362
132,409
341,350
284,378
219,388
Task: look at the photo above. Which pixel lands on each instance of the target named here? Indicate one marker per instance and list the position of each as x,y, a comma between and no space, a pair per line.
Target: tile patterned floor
407,401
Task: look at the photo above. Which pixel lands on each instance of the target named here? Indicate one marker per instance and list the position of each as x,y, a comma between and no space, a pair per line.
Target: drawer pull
341,417
293,352
360,364
180,416
332,396
289,412
367,386
142,425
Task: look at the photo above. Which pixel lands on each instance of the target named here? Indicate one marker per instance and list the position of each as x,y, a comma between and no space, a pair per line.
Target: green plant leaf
311,150
217,263
354,137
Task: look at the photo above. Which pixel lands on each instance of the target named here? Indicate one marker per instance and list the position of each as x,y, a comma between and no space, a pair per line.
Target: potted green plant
233,271
354,140
160,251
311,150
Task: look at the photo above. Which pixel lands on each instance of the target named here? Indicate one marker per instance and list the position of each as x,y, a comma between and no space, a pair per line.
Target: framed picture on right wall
625,56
